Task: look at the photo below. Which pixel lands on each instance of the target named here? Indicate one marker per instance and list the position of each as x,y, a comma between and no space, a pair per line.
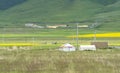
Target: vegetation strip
103,35
19,44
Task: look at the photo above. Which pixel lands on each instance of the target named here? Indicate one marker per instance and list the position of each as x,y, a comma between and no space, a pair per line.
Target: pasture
44,61
26,50
53,37
34,50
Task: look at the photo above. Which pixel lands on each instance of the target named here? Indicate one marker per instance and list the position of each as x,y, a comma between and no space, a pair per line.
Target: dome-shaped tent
67,47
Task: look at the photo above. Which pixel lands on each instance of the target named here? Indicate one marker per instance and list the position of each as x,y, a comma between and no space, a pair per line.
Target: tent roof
67,45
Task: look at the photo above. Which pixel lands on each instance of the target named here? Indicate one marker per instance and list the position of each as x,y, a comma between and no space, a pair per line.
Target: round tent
67,47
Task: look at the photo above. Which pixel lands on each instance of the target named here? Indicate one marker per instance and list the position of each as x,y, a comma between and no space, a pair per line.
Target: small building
51,26
61,25
29,25
87,47
100,44
83,26
33,25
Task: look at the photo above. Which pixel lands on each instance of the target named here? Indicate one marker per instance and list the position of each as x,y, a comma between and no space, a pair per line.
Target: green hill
105,12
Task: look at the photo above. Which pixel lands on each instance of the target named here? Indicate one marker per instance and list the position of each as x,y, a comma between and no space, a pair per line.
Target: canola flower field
100,35
42,43
19,44
112,38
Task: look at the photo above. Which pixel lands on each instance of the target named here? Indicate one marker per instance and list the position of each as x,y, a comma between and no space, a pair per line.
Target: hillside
18,12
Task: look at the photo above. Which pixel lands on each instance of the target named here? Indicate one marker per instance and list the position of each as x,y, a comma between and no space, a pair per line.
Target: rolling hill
18,12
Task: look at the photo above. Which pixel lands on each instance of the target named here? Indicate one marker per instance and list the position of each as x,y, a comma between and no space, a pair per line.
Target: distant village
32,25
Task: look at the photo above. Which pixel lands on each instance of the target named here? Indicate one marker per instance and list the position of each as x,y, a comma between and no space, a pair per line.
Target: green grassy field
33,50
20,54
61,12
60,35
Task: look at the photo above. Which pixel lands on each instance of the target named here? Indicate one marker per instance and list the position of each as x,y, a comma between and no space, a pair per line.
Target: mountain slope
106,12
45,10
5,4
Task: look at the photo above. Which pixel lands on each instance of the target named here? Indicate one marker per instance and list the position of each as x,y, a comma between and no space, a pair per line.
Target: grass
45,58
49,11
40,61
48,37
61,12
19,54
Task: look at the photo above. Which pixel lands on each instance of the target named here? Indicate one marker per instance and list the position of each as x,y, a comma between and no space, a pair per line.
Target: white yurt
67,47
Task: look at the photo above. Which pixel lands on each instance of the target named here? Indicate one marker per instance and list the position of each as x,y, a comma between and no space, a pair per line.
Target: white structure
62,25
51,26
33,25
83,26
87,47
67,47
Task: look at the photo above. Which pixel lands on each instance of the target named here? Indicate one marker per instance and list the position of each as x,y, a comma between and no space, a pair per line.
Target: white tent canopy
67,47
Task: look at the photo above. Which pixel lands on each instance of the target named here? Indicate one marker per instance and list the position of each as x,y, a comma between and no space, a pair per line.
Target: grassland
61,11
33,50
42,61
51,38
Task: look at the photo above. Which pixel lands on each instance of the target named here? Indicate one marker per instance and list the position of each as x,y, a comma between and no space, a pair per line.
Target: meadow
29,50
59,36
44,61
21,12
34,50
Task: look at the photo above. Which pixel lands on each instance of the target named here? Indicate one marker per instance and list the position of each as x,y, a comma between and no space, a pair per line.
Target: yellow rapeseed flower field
19,44
102,35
